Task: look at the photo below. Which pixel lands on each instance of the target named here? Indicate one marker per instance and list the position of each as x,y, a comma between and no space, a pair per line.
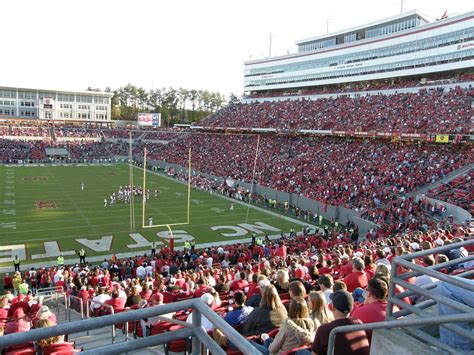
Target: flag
445,15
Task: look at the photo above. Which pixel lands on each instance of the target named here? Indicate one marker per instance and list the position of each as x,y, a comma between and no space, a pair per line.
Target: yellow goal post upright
167,225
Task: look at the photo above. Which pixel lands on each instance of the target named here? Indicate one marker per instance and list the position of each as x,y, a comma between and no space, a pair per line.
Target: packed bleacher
353,173
161,136
428,111
76,132
12,151
458,192
89,150
30,131
119,133
296,284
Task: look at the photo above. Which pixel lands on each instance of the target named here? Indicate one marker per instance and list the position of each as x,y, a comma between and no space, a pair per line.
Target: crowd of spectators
120,133
11,151
353,173
76,132
29,131
428,111
89,150
294,289
161,136
458,192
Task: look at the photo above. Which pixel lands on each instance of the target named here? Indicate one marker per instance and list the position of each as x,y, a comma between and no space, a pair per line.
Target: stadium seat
62,348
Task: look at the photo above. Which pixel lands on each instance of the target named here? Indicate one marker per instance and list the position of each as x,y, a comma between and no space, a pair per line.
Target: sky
194,44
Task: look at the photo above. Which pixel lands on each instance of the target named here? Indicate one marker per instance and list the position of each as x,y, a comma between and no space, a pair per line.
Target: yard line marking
9,212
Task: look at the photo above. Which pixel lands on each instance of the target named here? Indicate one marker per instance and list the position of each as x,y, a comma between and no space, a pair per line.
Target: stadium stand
428,111
358,174
224,276
459,192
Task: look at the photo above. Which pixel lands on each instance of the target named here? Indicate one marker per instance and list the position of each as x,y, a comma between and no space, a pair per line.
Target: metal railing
73,300
402,323
102,305
422,317
54,295
199,336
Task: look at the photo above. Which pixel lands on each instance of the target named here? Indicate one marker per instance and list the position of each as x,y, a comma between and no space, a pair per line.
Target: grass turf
81,214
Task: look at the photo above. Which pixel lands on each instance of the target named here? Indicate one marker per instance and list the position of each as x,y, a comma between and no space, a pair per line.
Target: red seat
273,333
176,346
63,348
160,327
26,348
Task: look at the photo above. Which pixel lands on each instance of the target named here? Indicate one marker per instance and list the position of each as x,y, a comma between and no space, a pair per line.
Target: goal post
144,203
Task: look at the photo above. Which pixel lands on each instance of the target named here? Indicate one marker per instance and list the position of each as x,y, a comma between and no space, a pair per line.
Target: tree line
175,105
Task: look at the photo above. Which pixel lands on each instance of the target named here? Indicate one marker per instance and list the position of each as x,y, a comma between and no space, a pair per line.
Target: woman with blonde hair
318,309
269,315
216,303
282,281
296,331
42,343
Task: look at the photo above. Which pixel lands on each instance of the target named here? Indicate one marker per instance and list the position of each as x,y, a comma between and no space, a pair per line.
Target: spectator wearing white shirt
100,297
141,272
205,323
148,270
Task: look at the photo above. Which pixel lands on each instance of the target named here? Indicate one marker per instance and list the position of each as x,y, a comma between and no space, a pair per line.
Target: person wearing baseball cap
355,343
207,298
156,300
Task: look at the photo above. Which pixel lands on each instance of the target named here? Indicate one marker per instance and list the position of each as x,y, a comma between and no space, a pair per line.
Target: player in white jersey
105,203
82,186
231,207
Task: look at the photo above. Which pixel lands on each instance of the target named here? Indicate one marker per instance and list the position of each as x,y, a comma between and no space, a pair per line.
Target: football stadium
328,210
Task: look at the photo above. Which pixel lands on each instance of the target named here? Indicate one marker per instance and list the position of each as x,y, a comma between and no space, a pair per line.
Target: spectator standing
16,263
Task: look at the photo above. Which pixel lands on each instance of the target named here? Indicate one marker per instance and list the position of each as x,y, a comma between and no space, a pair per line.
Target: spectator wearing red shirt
239,284
357,278
369,267
118,303
7,282
3,311
19,302
374,308
282,251
346,266
19,323
202,287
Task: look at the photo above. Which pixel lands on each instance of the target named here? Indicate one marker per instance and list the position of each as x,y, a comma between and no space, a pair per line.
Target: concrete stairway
97,337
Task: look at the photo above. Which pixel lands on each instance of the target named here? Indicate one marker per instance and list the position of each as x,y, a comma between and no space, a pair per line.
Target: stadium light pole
270,36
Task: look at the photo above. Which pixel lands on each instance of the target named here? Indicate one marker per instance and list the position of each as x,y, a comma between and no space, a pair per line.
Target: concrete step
100,337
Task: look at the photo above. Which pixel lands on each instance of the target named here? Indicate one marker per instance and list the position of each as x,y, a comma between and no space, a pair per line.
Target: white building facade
52,105
400,46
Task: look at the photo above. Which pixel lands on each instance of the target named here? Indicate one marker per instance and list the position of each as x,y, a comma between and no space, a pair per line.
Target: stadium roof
367,25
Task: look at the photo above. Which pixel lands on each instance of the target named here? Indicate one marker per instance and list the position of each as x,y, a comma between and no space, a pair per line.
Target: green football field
44,212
